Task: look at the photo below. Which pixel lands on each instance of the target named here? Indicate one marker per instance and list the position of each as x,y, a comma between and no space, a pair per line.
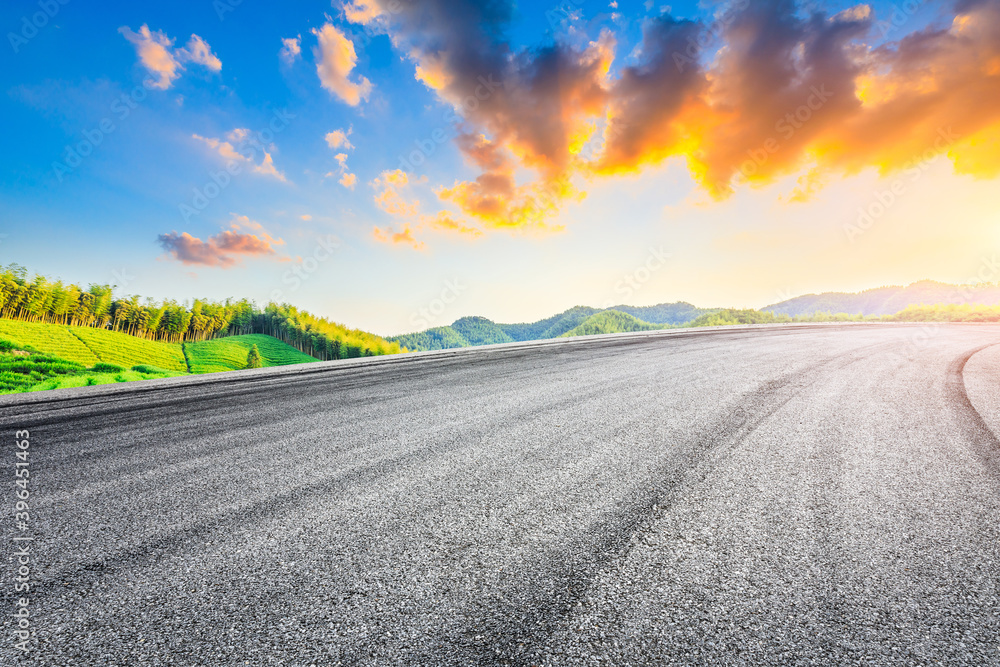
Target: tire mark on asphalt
517,622
157,546
983,442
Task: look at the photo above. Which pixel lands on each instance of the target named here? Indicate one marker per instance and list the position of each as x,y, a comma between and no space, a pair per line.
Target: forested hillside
438,338
551,327
610,321
481,331
41,300
665,313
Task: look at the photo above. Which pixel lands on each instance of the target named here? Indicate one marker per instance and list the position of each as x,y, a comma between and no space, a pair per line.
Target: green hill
35,356
481,331
52,339
230,354
551,327
610,321
674,314
125,350
24,368
438,338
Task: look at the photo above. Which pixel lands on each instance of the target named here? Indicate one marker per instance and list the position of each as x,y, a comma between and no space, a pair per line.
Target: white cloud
227,151
157,55
335,58
267,168
198,51
363,12
291,49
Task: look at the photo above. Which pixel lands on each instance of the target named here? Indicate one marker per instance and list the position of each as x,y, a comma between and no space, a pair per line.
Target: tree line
39,299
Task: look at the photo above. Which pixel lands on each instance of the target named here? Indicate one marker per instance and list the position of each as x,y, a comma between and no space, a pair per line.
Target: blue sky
153,152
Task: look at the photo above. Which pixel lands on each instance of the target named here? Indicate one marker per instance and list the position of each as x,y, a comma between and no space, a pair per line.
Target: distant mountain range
584,321
889,300
578,321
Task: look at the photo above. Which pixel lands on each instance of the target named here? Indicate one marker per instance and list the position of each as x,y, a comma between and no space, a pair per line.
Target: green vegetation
551,327
584,321
124,350
233,353
610,321
438,338
674,314
62,335
480,331
731,316
947,313
38,300
50,339
107,368
577,321
253,359
23,368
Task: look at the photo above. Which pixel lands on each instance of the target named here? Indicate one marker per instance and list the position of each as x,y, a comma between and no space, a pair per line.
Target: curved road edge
39,401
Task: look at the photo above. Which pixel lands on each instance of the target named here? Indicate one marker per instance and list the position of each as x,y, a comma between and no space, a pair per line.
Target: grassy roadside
40,357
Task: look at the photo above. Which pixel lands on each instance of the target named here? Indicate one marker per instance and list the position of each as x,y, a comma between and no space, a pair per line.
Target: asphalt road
821,495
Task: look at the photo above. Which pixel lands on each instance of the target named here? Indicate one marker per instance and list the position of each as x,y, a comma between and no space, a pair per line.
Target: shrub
146,369
106,368
253,358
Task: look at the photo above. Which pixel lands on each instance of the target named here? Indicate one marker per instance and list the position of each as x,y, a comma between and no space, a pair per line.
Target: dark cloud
767,89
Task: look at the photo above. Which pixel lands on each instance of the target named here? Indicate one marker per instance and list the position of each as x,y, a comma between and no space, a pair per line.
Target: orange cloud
157,55
349,180
222,250
792,90
335,59
391,236
339,139
389,198
792,93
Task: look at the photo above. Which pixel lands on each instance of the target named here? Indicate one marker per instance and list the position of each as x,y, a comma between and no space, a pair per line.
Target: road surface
810,495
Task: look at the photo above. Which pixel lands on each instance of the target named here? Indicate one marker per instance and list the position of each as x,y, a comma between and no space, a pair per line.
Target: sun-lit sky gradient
372,160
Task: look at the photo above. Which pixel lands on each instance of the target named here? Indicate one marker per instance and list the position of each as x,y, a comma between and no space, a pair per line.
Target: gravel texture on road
799,495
